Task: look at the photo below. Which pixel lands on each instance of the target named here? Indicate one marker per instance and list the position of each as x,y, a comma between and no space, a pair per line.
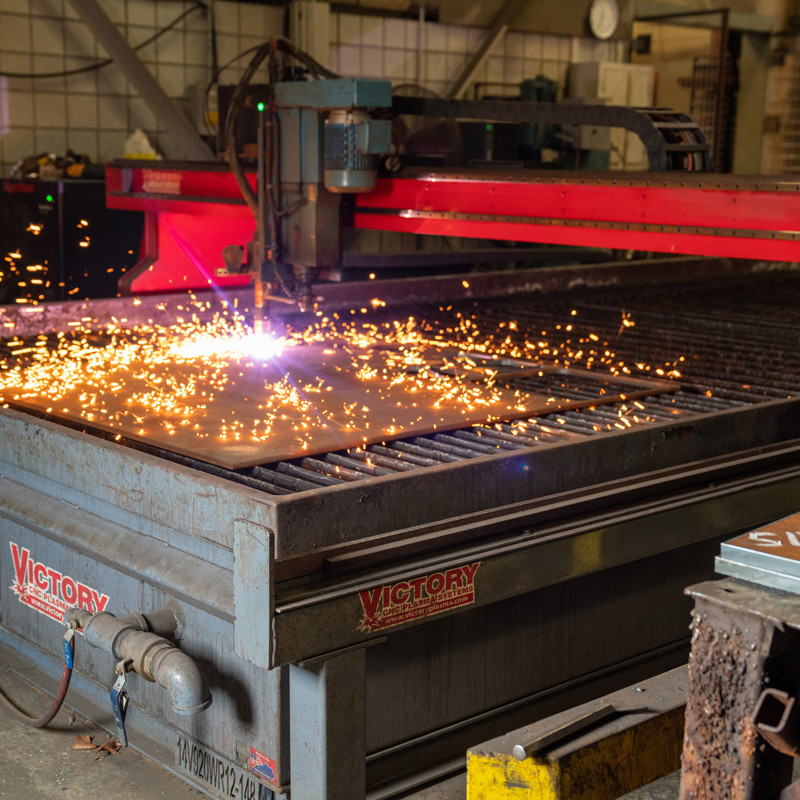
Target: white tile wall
82,111
347,59
78,39
111,141
112,113
15,33
83,141
140,115
372,32
108,81
196,46
20,110
227,18
447,49
457,40
50,140
142,12
513,44
50,110
16,6
47,35
350,29
251,18
94,112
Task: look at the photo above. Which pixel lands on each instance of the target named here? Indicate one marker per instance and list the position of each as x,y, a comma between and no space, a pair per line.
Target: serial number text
221,777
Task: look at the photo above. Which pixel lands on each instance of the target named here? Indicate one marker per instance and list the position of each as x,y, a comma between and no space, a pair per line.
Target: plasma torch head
305,300
303,277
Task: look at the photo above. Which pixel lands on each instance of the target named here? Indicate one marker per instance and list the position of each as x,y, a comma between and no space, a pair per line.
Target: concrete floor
43,763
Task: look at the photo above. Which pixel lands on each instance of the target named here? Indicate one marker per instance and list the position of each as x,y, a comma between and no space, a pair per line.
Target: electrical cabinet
631,85
58,241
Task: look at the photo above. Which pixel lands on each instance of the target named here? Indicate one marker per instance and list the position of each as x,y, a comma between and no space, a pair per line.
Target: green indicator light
488,127
49,198
260,106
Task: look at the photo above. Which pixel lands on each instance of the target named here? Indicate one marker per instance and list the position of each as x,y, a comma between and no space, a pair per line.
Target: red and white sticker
396,603
263,766
47,590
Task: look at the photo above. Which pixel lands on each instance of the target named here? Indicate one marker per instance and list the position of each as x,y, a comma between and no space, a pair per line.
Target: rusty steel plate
238,412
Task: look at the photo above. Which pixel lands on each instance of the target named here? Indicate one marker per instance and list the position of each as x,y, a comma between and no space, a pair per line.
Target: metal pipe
420,40
719,109
147,654
146,85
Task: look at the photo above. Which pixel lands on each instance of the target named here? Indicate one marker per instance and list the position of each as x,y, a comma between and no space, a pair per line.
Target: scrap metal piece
558,734
778,720
613,746
769,556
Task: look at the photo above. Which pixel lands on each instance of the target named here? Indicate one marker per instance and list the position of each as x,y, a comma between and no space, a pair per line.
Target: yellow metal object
496,777
611,759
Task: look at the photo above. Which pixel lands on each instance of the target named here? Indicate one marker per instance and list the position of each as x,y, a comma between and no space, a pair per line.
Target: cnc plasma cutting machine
364,603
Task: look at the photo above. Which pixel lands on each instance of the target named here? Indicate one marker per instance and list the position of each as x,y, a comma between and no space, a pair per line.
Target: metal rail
736,217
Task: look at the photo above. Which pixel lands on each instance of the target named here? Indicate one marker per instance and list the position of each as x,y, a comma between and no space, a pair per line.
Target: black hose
58,700
312,65
230,127
269,48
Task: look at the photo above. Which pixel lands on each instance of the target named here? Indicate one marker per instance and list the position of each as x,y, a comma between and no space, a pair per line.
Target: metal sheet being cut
238,411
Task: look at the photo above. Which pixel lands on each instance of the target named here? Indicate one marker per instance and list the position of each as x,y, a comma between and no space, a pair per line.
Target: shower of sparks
19,287
352,381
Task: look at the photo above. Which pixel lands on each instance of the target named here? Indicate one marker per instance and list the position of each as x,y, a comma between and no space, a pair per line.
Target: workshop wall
390,48
781,125
93,112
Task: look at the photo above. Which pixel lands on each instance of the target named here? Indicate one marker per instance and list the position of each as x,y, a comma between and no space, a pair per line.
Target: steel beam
130,65
493,38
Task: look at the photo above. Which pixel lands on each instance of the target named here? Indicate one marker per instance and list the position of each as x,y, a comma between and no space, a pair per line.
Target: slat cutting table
410,589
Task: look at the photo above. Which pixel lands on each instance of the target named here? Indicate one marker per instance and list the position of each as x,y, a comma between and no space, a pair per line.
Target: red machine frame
193,211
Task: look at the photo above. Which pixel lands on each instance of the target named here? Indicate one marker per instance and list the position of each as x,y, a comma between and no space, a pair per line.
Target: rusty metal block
734,631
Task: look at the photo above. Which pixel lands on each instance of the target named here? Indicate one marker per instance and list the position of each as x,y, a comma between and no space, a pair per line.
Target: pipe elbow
153,657
177,672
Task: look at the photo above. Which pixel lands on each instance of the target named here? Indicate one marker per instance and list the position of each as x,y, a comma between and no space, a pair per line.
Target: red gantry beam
192,211
700,214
